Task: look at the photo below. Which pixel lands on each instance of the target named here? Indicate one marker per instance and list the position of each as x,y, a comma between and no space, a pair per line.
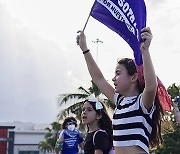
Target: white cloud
39,58
33,73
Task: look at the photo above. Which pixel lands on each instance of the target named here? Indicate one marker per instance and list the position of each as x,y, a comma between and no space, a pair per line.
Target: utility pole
97,41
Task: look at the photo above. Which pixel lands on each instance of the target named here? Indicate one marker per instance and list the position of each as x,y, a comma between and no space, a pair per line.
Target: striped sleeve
145,111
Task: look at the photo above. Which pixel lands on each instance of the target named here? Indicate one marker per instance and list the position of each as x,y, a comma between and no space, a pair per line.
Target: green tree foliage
171,144
171,133
48,145
44,147
78,100
173,90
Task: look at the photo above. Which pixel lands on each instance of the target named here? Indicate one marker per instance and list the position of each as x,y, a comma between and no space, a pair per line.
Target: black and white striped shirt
132,123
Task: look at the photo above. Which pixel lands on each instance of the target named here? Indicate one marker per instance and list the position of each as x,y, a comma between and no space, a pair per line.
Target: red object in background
162,93
3,140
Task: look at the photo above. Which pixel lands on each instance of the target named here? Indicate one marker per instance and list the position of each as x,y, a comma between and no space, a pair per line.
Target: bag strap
99,130
111,151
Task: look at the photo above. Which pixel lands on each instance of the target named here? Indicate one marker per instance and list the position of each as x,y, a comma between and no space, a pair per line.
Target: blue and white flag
125,17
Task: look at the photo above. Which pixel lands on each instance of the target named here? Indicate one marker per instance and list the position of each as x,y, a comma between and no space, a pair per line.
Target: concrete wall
25,140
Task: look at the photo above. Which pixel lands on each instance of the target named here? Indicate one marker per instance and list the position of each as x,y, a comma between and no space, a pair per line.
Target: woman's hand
146,36
81,40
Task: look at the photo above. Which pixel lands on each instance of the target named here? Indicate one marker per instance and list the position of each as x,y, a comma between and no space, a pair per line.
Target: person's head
94,111
126,76
69,123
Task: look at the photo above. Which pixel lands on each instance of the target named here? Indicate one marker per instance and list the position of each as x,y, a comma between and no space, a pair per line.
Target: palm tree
50,138
78,99
44,147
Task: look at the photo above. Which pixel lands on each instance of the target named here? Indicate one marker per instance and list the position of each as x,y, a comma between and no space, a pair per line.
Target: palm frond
48,135
56,126
109,104
84,91
94,90
48,129
75,109
44,146
76,101
64,98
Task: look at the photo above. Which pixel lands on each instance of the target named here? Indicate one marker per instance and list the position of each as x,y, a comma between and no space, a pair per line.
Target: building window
28,152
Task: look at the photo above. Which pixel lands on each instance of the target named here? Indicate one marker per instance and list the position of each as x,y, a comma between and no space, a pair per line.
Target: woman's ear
134,77
99,116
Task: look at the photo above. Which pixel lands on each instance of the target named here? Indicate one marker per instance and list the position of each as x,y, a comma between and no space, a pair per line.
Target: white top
132,123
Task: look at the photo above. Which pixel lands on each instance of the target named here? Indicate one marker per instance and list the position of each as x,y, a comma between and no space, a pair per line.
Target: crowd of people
137,116
136,122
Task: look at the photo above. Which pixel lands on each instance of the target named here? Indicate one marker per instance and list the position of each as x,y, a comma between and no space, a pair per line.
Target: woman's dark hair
155,137
69,120
105,122
129,65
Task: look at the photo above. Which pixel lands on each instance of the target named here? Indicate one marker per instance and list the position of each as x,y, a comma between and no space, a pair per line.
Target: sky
39,58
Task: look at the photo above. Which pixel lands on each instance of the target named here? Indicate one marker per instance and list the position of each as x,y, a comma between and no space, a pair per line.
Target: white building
26,137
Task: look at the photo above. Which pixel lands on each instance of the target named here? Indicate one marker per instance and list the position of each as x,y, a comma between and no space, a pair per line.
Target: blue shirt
71,141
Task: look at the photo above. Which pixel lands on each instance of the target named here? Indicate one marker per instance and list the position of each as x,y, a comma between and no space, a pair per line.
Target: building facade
21,138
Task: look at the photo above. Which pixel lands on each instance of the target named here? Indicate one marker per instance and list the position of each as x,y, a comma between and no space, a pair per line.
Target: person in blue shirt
70,137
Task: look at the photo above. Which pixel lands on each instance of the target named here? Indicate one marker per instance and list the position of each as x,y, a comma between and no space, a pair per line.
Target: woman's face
88,114
121,79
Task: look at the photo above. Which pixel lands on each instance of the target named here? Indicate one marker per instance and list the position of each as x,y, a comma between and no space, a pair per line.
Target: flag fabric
125,17
162,93
163,96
